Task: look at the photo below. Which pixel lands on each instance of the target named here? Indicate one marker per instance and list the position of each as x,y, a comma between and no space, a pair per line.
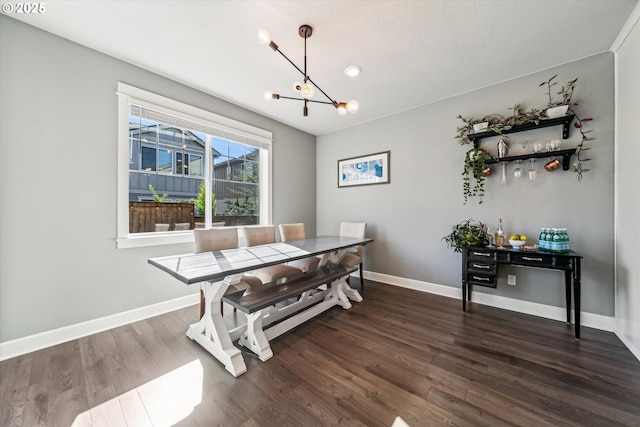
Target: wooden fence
144,216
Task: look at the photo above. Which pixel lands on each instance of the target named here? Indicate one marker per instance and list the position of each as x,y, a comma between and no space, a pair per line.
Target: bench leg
211,332
254,339
344,292
338,288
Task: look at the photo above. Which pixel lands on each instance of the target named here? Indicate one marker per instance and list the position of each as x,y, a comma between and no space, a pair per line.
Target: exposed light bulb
307,91
268,95
342,109
264,38
353,106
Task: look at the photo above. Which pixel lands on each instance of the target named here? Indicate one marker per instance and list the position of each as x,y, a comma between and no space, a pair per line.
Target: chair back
182,226
354,229
162,227
215,239
259,235
292,231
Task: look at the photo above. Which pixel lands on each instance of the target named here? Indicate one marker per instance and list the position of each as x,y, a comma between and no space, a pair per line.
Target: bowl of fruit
517,240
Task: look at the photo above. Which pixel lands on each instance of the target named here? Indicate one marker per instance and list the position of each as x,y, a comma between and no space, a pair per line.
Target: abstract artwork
364,170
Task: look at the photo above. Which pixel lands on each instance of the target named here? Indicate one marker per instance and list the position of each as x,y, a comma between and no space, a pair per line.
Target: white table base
212,333
258,334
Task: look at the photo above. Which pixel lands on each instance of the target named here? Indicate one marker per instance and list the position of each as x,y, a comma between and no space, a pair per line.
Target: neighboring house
173,160
168,158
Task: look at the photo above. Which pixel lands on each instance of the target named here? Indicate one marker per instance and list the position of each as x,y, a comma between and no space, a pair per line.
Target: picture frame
364,170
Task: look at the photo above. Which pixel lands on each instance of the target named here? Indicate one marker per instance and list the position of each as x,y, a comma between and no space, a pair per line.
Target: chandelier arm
308,100
291,62
333,102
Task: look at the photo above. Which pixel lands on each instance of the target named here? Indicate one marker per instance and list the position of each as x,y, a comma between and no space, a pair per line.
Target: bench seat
266,320
259,297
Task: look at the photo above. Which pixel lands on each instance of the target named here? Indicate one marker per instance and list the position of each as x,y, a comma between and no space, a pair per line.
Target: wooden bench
259,304
268,294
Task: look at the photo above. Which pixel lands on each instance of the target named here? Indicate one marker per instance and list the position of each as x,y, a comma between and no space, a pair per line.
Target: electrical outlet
511,279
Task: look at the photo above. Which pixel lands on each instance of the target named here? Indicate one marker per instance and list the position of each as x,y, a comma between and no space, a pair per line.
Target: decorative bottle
500,235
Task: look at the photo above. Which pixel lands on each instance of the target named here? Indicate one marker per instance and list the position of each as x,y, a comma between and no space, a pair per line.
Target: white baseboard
20,346
596,321
629,344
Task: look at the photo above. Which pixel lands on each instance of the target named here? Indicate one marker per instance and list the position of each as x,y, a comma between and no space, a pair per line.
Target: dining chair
161,227
296,232
261,235
215,239
182,226
351,259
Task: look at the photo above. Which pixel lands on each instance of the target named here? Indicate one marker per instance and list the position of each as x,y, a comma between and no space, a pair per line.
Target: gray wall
59,264
409,216
628,190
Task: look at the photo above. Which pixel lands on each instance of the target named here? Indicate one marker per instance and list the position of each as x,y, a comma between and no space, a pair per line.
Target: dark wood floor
399,353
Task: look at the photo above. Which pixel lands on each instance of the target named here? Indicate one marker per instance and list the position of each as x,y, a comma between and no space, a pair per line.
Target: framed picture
364,170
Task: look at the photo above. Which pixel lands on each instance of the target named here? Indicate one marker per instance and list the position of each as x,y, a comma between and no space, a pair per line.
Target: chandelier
307,88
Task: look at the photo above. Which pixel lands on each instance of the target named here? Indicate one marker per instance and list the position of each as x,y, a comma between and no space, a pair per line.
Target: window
196,167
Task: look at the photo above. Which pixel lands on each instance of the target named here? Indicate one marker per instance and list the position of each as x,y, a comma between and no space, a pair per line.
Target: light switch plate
511,279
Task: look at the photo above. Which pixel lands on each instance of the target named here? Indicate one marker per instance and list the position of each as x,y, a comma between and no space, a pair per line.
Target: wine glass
533,172
537,147
517,172
503,179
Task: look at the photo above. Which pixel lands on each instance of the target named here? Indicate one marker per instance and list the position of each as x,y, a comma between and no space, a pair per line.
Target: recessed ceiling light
353,71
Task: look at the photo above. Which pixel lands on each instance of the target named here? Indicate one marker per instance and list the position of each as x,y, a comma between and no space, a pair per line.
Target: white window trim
126,94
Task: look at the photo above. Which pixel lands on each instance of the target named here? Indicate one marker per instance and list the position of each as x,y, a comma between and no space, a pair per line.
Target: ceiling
412,52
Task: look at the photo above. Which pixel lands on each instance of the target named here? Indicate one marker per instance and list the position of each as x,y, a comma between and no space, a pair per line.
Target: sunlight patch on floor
163,401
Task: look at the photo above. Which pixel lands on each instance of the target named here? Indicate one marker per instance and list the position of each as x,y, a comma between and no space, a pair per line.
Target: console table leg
464,295
567,286
576,296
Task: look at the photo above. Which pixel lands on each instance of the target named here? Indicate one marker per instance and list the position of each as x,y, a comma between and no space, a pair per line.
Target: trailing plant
474,166
466,233
156,197
498,123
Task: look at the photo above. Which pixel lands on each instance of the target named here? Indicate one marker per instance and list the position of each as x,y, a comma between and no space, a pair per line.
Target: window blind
185,121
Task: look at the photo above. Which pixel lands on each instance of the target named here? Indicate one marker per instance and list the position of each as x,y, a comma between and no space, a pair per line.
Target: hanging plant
475,169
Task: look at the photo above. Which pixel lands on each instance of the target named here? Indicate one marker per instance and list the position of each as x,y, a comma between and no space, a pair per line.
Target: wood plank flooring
399,353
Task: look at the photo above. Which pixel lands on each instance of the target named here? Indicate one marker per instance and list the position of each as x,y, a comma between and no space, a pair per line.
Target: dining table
215,271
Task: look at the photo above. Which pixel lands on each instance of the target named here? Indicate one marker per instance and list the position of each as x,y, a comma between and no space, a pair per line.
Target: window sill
154,239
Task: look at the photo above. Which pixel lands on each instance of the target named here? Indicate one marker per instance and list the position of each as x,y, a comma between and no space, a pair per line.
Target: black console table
480,267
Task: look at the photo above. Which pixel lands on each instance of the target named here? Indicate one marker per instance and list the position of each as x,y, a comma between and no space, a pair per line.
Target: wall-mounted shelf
565,121
564,154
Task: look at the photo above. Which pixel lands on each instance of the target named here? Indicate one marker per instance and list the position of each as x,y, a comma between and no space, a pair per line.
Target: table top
212,266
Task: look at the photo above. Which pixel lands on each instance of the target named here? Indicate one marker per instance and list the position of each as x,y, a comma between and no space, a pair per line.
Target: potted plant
476,167
466,233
